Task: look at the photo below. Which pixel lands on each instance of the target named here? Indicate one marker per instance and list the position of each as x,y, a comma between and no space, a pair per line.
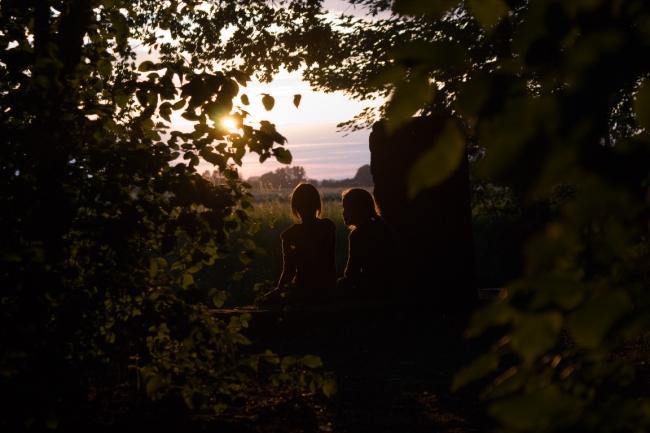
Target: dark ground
393,370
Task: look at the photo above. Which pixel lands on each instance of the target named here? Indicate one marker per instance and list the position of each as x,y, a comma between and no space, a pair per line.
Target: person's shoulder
380,224
326,222
291,232
380,227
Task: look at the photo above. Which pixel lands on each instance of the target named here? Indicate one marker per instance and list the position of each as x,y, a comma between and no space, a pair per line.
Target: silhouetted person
307,250
369,270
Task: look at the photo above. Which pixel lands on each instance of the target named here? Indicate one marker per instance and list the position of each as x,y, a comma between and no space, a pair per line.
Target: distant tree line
288,177
363,177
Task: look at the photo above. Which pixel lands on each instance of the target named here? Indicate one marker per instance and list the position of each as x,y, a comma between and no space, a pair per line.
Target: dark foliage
105,221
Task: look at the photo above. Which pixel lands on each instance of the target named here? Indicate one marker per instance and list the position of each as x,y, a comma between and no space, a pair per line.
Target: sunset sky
311,130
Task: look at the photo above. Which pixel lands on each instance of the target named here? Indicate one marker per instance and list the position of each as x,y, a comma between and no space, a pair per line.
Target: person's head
305,201
358,207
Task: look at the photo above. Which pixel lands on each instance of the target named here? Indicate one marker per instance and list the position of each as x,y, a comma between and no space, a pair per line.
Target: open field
495,244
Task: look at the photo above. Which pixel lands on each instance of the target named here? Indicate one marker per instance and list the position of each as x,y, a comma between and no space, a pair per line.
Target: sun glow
229,123
310,129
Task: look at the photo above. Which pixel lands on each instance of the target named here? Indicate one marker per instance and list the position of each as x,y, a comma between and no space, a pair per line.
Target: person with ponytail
371,247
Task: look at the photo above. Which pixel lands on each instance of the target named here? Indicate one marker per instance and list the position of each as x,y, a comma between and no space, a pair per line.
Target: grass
497,241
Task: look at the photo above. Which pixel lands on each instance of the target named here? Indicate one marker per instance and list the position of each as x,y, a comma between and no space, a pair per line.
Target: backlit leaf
147,66
153,267
534,334
408,98
311,361
480,367
439,162
219,298
329,387
268,101
189,115
591,322
642,105
188,279
120,27
494,314
282,155
121,98
153,385
535,410
296,100
178,104
241,77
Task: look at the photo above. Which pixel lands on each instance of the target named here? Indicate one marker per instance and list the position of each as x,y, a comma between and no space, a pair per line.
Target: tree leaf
473,95
535,410
153,385
439,162
494,314
142,97
329,387
591,322
189,115
488,12
287,362
188,279
153,267
121,98
244,99
120,27
241,77
311,361
165,111
178,104
642,105
408,97
296,100
534,334
282,155
219,298
268,101
479,368
147,66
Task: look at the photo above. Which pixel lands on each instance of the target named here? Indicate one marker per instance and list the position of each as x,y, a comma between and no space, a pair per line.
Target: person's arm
353,266
288,265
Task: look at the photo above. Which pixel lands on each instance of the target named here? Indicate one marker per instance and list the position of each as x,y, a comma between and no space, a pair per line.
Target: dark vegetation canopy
107,225
111,223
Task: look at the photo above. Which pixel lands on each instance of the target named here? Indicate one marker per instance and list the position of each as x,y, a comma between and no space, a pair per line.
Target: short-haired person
307,249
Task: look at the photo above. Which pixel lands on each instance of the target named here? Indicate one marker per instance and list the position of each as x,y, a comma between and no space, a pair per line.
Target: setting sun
230,123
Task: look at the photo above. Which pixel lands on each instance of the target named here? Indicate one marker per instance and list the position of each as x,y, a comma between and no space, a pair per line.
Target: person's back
307,250
370,269
374,247
310,245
